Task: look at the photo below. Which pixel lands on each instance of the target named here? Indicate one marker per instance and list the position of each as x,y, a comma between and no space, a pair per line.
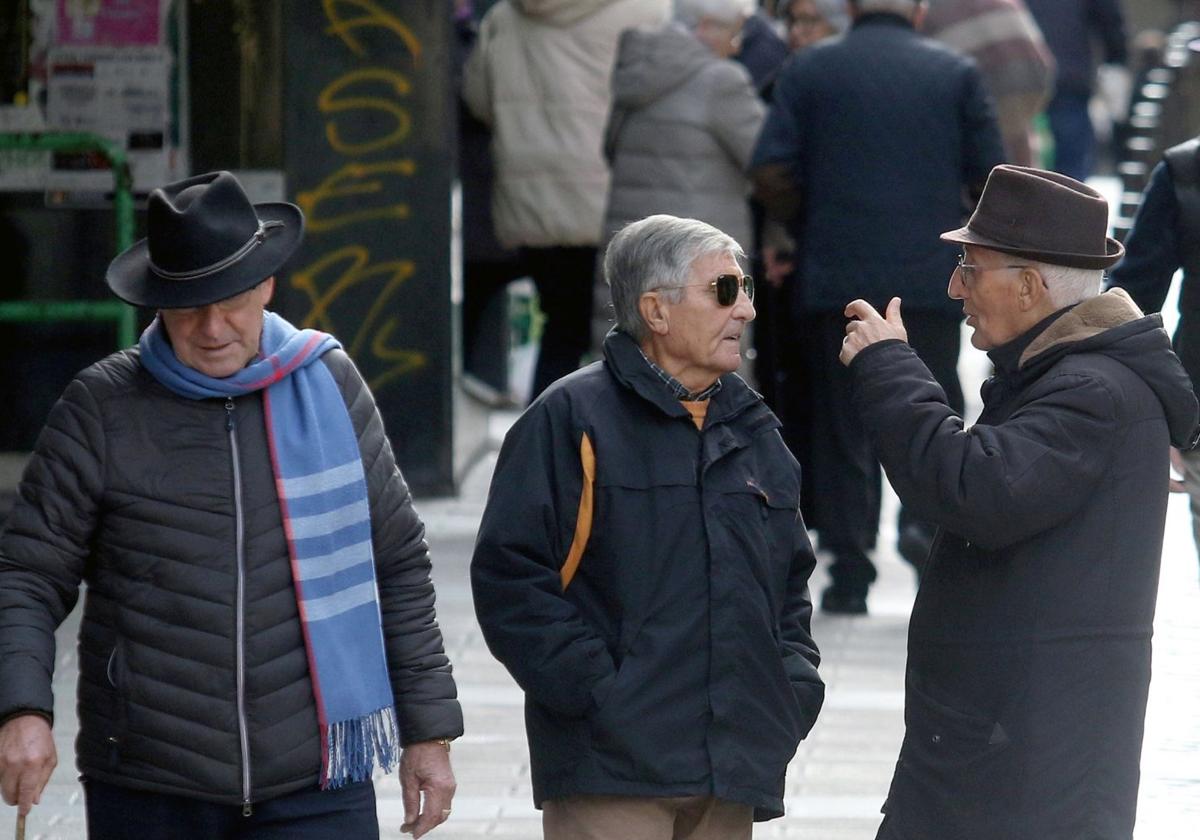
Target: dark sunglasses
725,287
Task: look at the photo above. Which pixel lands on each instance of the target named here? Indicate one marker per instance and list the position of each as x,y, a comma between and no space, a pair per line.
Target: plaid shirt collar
677,388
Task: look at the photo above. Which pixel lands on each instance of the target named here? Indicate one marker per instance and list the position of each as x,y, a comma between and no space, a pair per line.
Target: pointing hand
866,327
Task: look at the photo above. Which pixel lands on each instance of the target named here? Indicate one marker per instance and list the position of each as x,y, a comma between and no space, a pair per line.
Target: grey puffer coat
681,133
139,493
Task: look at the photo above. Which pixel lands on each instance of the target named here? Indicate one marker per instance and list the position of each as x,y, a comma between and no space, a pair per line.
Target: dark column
369,156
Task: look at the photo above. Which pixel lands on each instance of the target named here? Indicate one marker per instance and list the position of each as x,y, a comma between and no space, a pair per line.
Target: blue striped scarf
326,517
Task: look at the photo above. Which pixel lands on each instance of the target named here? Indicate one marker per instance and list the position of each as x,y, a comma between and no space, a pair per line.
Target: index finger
862,311
434,810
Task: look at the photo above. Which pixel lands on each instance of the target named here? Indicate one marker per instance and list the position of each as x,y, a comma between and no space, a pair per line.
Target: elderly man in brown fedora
258,632
1029,643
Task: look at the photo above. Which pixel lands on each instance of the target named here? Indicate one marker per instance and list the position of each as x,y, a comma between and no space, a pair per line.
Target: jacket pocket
959,766
643,731
116,675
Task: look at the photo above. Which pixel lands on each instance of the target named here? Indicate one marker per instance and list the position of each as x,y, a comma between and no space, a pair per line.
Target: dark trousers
563,277
117,813
888,830
846,482
485,324
1074,136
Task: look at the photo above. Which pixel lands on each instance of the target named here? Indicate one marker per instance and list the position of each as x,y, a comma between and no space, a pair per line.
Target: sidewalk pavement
839,776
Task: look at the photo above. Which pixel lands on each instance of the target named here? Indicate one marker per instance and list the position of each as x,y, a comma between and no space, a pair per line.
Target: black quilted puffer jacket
193,673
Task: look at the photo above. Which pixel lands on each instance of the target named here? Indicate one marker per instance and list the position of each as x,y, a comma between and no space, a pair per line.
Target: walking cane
20,827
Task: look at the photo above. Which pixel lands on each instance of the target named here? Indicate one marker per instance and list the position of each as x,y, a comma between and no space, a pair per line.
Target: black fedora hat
1041,216
205,242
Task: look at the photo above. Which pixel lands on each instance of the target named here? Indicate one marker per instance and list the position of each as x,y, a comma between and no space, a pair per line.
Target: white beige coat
540,76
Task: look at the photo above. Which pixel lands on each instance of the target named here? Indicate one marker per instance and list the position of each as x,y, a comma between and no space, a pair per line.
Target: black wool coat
678,660
1029,643
878,134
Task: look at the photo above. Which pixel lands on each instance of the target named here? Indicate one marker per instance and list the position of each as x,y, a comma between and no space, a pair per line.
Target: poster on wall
116,23
120,94
105,67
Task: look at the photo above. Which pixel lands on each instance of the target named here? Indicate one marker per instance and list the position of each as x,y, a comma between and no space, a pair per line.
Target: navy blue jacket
763,52
677,660
881,132
1152,256
1071,27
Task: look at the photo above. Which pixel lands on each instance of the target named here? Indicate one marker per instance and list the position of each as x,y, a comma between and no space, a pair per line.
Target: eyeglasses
725,287
970,273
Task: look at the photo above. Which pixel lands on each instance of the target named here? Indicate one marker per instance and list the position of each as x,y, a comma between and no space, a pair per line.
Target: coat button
937,739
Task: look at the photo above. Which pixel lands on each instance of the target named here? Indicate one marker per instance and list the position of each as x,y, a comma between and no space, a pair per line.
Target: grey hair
1067,286
690,12
834,12
904,8
657,252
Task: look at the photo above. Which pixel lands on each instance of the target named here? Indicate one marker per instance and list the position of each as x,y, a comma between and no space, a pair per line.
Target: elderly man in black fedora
258,633
1029,644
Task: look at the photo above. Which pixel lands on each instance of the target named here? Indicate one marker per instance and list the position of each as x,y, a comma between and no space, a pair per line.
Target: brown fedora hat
1041,216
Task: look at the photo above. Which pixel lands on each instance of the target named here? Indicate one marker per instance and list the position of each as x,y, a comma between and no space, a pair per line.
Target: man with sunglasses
1029,643
641,568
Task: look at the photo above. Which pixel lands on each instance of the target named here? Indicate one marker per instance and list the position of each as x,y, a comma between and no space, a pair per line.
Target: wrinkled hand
867,327
777,269
1176,484
427,786
27,758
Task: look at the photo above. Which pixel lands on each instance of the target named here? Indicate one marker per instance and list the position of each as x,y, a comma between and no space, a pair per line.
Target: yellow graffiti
329,103
351,266
371,16
355,180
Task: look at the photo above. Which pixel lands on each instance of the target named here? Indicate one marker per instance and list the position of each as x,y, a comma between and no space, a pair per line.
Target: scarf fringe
356,746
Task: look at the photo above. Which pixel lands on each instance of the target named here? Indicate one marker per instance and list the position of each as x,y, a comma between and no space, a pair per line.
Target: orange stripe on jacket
583,522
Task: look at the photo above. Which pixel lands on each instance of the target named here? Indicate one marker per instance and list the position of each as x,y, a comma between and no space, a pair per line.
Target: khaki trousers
645,818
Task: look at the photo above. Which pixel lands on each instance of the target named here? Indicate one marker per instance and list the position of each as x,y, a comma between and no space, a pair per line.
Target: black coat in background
1162,241
880,133
1029,643
1073,30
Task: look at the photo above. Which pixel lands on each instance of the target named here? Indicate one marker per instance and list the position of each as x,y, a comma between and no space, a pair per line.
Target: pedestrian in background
872,141
684,121
783,338
641,568
258,630
1165,238
1076,31
1029,643
809,21
487,267
762,50
540,79
1017,67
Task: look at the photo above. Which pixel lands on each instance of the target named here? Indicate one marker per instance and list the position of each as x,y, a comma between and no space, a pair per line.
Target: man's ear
1032,291
268,286
654,312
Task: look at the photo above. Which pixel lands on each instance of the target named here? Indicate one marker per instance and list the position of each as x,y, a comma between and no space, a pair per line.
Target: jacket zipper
239,541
